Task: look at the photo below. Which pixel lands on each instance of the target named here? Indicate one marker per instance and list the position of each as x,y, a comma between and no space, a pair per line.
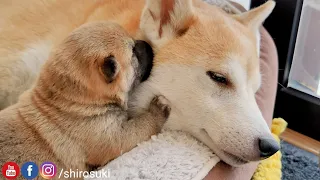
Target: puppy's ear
255,17
109,68
163,20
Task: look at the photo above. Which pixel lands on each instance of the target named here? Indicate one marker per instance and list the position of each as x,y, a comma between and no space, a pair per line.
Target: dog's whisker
281,85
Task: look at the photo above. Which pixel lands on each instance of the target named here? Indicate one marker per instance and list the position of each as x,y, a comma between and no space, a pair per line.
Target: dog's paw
160,106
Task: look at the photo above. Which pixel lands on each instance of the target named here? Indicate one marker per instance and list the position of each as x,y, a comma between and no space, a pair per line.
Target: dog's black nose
268,147
145,55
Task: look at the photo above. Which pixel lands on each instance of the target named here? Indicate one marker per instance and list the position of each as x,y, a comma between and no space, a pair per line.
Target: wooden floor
301,141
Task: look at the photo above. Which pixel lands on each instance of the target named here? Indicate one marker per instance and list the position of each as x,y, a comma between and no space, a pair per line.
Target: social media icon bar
10,170
48,170
29,170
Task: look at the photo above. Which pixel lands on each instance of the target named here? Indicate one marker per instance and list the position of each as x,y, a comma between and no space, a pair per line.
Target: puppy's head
207,65
98,63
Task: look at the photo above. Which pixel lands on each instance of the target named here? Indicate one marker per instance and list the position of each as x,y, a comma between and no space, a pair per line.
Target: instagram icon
48,170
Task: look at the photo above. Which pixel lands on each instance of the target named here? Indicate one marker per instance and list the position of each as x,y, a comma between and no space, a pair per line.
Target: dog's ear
255,17
109,68
163,20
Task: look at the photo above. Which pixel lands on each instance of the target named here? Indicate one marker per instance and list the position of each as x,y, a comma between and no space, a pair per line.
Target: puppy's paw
159,106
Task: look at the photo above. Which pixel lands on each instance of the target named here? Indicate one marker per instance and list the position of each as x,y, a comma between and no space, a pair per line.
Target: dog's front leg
143,126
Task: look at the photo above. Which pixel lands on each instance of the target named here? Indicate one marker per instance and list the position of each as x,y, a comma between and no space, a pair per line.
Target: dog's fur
75,115
206,63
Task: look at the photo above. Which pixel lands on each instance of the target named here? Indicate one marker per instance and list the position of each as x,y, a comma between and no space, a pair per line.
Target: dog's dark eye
109,68
217,77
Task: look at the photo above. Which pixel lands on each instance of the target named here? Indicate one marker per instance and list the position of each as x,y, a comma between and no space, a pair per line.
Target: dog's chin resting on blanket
211,88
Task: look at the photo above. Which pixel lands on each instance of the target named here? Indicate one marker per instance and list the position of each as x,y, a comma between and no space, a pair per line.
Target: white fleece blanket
170,155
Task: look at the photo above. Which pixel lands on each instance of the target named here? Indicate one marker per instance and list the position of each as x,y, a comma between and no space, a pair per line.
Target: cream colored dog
76,114
206,62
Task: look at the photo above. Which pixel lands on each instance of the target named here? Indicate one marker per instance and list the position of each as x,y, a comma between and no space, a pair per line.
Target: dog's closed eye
219,78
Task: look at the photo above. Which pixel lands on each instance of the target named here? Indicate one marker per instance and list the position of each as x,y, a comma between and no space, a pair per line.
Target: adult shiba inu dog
76,113
206,62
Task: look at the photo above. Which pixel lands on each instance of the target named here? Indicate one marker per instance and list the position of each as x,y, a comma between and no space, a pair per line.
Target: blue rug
298,164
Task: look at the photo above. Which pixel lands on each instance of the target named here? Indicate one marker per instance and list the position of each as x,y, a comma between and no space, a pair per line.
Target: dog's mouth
227,157
236,159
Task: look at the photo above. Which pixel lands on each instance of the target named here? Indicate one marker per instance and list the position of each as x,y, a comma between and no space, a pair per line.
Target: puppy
76,113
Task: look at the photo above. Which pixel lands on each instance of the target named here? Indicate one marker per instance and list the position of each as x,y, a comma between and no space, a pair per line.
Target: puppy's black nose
268,147
145,55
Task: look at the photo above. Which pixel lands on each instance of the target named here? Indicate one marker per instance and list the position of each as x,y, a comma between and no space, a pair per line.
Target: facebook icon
29,170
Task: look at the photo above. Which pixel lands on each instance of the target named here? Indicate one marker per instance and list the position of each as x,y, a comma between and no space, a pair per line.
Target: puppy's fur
206,61
75,115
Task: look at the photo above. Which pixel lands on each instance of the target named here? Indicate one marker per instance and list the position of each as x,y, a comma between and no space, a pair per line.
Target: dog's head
207,64
98,63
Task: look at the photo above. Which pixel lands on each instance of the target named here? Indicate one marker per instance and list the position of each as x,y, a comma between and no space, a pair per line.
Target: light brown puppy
75,115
